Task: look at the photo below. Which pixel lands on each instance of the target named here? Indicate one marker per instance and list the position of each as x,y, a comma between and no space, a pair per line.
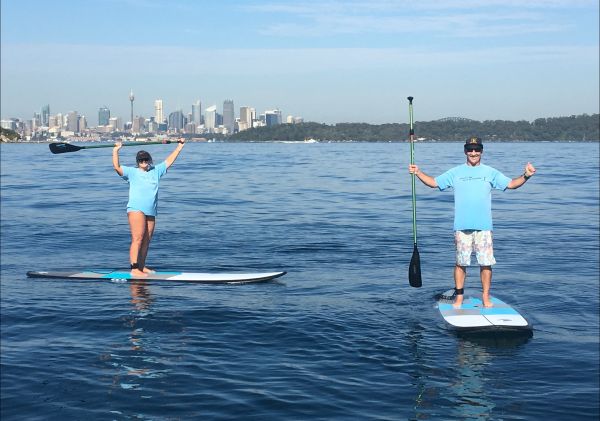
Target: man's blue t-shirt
143,188
473,194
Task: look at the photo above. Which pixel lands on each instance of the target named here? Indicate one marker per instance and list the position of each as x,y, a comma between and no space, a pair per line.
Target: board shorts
469,241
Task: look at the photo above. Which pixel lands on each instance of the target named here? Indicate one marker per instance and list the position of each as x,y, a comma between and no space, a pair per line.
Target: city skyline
193,122
327,61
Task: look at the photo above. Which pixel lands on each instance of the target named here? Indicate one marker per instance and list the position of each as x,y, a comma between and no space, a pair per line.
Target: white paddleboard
177,276
472,315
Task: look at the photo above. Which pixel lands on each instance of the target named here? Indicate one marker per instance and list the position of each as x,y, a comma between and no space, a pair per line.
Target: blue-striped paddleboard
473,316
176,276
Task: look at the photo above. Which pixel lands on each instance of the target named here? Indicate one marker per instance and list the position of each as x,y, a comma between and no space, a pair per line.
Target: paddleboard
473,316
176,276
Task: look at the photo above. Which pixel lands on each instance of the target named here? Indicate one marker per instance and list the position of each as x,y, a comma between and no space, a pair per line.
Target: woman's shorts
470,241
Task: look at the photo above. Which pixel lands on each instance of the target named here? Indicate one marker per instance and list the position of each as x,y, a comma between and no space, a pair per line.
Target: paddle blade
414,270
63,147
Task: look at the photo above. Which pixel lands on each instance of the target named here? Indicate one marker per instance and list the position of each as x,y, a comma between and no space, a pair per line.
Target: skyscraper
273,117
210,118
247,115
197,113
176,121
72,121
103,116
158,111
46,115
228,116
138,125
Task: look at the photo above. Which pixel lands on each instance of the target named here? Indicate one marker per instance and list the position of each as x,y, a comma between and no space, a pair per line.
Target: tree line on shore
574,128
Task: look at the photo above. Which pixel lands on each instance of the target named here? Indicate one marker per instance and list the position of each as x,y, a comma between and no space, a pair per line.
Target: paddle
414,269
69,147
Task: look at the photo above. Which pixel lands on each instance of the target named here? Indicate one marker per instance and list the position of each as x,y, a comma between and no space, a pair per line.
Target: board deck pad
473,315
176,276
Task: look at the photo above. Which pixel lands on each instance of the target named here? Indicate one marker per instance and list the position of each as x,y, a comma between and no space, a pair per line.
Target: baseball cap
473,143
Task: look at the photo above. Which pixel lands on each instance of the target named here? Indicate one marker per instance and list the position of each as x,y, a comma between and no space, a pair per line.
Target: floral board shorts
470,241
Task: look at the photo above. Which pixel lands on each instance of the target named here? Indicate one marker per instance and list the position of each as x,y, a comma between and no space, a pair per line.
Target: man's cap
473,142
143,155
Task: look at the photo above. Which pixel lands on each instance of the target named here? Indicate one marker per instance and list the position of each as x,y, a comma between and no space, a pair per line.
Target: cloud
457,18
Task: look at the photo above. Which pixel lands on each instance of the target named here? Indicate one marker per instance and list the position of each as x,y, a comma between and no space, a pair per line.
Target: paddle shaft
412,161
414,268
57,148
110,145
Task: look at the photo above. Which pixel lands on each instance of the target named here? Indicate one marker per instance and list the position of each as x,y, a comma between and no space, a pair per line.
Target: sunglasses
478,150
143,160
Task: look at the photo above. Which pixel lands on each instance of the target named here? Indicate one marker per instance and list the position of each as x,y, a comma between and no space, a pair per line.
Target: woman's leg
149,232
137,225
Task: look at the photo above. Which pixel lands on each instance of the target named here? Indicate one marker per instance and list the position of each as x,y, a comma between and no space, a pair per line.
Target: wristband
526,177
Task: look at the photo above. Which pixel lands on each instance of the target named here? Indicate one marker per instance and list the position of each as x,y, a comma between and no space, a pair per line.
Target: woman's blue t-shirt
473,194
143,188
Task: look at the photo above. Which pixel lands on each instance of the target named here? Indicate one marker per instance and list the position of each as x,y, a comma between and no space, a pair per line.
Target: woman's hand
529,170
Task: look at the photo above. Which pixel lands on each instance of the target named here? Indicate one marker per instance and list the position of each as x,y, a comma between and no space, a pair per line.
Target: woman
143,199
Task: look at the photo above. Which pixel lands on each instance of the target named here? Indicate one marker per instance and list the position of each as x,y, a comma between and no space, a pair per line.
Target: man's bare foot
458,300
148,270
136,273
487,302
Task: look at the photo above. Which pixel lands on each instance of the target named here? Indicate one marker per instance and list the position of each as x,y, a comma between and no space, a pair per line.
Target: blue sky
326,61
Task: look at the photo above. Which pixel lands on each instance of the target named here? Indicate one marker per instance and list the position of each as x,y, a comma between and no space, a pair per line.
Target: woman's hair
143,156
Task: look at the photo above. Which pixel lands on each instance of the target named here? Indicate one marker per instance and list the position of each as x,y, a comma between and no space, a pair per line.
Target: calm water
342,335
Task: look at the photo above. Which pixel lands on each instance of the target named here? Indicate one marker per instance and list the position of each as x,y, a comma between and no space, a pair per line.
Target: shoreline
141,142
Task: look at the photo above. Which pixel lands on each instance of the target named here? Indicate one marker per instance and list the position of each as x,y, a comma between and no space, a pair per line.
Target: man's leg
460,273
486,283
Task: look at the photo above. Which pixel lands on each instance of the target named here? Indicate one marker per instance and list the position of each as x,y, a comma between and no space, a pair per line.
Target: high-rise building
273,117
115,123
228,116
72,122
197,113
103,116
82,124
36,121
247,116
46,115
210,118
177,121
151,125
138,125
159,116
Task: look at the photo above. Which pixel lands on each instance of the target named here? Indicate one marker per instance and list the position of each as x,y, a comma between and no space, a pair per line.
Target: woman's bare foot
137,273
487,302
458,300
148,270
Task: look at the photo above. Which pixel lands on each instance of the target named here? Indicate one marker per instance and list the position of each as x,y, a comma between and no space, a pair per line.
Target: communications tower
131,98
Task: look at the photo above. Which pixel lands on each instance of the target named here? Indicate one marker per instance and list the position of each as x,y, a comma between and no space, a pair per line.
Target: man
473,183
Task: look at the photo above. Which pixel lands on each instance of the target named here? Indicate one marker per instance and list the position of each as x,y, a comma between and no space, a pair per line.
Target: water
342,335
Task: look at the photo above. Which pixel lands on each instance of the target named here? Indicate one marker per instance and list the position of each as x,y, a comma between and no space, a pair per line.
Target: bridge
455,119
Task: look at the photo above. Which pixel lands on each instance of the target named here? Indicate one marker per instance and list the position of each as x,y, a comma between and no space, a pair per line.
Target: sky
325,61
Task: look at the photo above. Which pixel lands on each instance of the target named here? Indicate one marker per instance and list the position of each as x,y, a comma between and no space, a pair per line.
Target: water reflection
475,352
463,381
134,363
469,388
140,297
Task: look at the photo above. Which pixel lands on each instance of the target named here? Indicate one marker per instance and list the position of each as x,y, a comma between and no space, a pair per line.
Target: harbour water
342,336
